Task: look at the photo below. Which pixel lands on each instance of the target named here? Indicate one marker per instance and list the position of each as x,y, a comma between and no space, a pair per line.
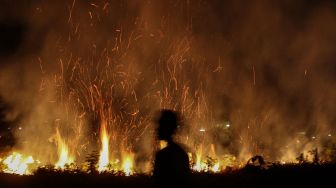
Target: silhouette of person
172,162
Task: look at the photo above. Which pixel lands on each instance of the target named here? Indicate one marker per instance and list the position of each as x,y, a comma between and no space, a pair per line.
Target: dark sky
209,15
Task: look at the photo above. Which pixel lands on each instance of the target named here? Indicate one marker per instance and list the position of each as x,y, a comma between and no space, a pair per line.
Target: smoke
264,68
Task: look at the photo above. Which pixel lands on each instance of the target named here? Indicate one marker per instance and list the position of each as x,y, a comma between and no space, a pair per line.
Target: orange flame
63,152
127,164
104,152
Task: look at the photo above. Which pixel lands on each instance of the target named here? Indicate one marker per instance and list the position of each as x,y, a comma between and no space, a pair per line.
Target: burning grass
99,92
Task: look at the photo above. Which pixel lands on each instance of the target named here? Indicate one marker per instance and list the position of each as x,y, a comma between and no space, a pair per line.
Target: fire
127,164
199,164
18,164
63,152
202,165
215,168
104,152
113,83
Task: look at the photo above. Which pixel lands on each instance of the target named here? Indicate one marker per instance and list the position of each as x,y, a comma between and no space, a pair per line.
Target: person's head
167,122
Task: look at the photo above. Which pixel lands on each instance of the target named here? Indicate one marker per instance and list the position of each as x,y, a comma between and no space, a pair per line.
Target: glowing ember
63,152
104,152
18,164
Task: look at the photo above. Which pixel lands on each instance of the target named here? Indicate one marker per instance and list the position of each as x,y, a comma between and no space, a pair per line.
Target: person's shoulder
184,147
161,152
180,147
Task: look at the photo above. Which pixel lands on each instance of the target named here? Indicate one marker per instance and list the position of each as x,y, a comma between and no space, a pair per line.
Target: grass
289,175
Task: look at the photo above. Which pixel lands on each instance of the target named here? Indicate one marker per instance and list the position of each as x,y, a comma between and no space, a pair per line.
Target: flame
127,164
199,164
204,165
18,164
104,152
215,168
63,152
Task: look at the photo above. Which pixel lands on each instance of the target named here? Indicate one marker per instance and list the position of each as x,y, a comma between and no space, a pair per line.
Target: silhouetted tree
301,159
316,158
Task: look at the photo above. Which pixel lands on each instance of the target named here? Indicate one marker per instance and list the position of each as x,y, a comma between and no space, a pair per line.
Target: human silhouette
172,162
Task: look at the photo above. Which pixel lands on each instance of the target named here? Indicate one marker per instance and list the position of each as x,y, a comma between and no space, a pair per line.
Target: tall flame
104,152
127,164
63,152
17,164
199,164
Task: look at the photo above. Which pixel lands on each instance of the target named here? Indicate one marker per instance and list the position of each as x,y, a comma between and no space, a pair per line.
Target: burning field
80,82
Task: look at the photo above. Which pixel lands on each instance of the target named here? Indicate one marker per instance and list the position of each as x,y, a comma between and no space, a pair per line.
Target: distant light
20,128
8,128
202,130
163,144
329,135
313,137
227,125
